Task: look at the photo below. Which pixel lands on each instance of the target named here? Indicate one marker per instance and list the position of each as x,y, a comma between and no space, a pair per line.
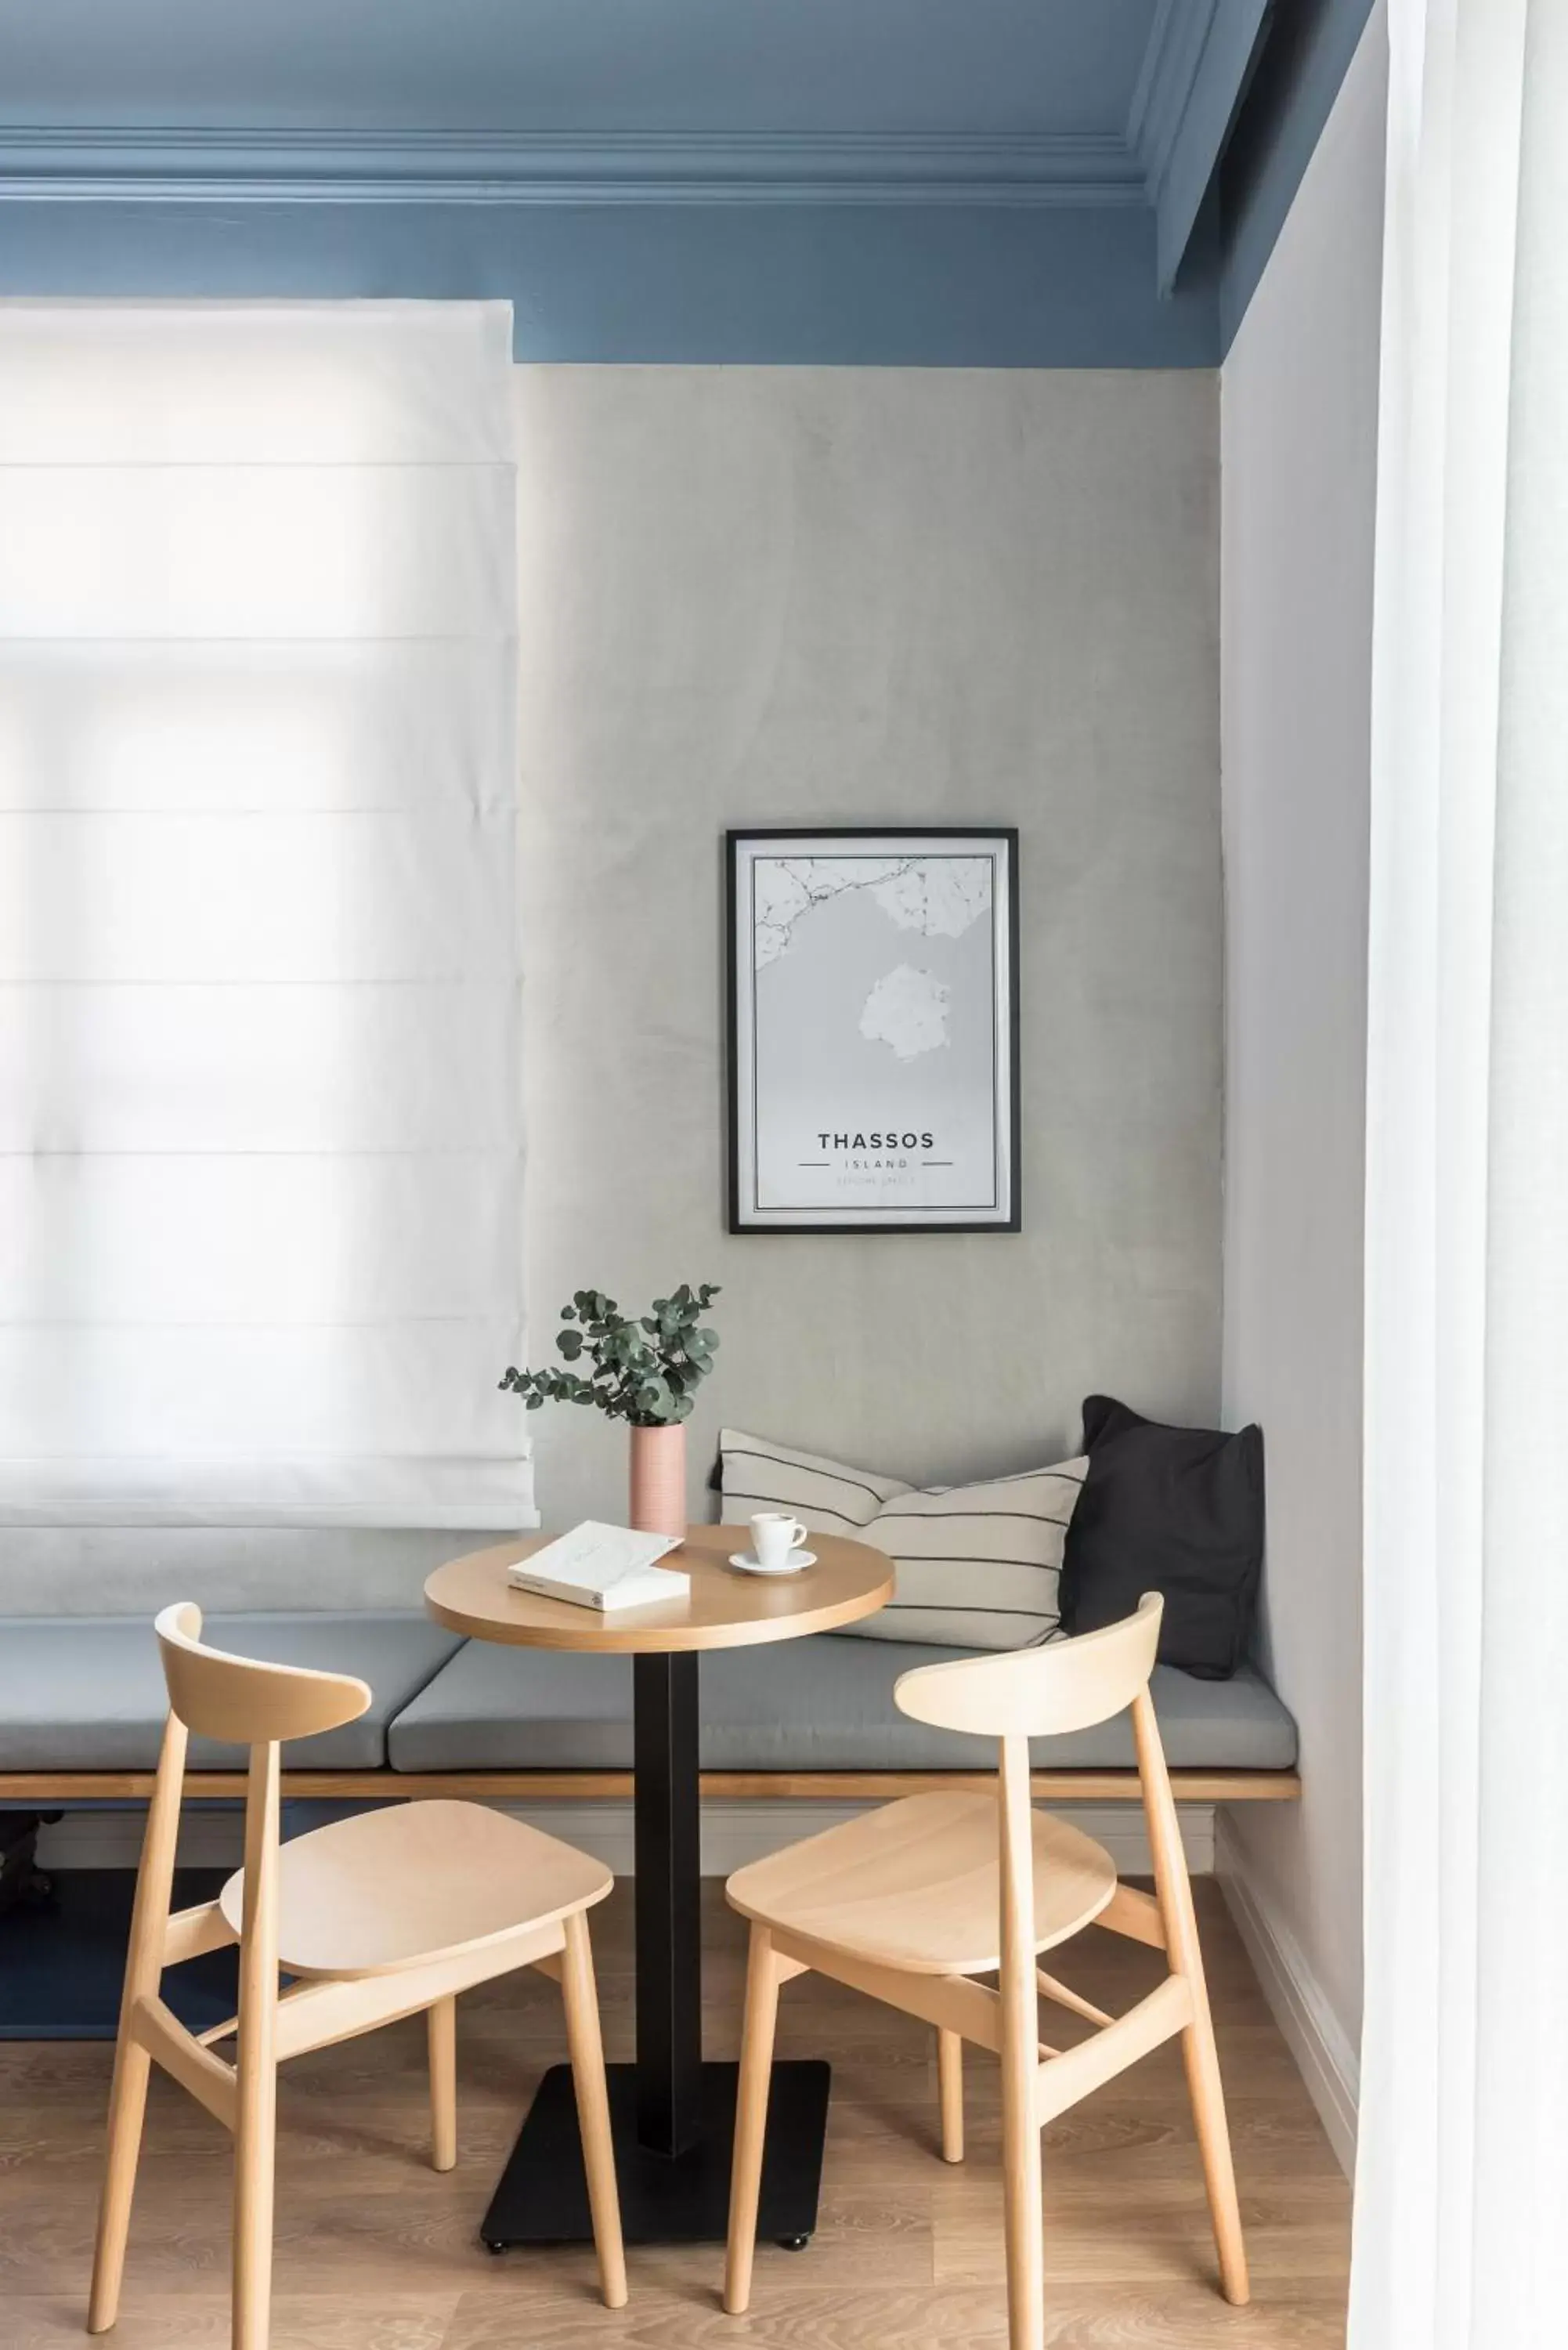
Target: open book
608,1567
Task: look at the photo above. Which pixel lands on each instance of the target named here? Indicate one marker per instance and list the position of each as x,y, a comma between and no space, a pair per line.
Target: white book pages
604,1567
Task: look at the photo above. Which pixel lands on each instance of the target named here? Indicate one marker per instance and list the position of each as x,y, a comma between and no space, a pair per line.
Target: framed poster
873,1031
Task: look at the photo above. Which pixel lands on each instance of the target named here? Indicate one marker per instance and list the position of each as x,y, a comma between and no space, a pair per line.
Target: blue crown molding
877,250
1176,38
1196,68
283,166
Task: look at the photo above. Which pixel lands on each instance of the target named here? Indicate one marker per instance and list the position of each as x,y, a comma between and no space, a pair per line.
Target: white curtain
260,1147
1462,2218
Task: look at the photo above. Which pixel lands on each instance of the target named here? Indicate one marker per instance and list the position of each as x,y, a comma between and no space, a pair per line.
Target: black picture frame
745,1216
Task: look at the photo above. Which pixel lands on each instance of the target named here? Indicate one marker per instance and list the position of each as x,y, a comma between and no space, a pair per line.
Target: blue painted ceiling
976,67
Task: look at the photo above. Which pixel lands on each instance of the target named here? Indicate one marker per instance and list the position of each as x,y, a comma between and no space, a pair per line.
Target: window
260,1127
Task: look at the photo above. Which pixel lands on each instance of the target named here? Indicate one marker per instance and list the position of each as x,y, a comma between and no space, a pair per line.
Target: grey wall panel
806,596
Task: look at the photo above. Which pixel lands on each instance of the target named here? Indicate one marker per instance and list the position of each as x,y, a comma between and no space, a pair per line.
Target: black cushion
1174,1510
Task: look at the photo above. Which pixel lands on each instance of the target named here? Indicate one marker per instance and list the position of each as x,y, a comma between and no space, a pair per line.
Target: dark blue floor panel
61,1966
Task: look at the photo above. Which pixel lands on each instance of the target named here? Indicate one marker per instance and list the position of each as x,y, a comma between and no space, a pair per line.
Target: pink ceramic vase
659,1480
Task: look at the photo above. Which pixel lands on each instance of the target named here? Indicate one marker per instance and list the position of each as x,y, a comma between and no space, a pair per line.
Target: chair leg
254,2158
584,2046
1207,2096
256,2119
950,2089
1173,1890
441,2025
126,2106
1019,2000
128,2092
1022,2221
751,2116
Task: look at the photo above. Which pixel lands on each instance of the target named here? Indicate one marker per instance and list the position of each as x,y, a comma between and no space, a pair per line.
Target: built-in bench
82,1707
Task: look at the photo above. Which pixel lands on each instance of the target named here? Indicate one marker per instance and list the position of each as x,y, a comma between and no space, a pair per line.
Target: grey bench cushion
818,1704
86,1693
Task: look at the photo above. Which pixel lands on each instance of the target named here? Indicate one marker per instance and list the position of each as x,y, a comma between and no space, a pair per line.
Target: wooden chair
376,1918
910,1901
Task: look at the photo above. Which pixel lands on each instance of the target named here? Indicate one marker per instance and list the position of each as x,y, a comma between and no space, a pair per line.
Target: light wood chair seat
393,1888
918,1884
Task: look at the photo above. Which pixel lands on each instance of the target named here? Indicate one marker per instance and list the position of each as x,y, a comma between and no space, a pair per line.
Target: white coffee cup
773,1539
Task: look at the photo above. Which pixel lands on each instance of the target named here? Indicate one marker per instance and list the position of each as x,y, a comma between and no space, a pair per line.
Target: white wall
1299,417
756,595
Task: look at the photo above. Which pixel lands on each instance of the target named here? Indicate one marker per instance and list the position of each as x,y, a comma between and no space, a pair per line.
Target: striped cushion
978,1565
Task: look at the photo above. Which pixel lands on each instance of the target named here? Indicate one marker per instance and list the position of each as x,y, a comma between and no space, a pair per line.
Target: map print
873,1031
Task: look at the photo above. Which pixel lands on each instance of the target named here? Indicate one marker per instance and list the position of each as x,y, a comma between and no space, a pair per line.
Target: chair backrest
1043,1693
243,1702
1039,1692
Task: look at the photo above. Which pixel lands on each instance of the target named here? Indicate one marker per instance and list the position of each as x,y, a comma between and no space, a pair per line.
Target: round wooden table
672,2115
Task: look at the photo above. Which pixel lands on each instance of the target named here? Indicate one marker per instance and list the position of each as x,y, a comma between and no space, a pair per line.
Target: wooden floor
375,2251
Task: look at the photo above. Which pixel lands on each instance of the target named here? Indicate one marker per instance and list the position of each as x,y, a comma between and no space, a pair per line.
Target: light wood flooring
377,2251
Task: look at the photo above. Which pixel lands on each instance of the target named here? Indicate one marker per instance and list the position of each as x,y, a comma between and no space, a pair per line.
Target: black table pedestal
542,2196
671,2116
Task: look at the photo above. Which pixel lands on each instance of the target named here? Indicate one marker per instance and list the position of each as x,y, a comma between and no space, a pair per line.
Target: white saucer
747,1564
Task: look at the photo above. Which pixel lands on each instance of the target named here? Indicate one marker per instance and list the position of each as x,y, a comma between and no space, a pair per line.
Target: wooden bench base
48,1787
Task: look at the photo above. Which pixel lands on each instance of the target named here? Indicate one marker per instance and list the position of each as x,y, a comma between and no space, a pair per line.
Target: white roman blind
260,1127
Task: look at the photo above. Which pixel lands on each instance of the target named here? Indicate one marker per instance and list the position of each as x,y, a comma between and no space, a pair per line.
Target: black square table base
542,2196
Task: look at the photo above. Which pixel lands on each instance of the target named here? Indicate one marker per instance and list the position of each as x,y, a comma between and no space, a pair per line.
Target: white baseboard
733,1832
1317,2040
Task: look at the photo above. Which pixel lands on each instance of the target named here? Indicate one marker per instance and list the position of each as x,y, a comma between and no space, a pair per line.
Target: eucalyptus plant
646,1367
